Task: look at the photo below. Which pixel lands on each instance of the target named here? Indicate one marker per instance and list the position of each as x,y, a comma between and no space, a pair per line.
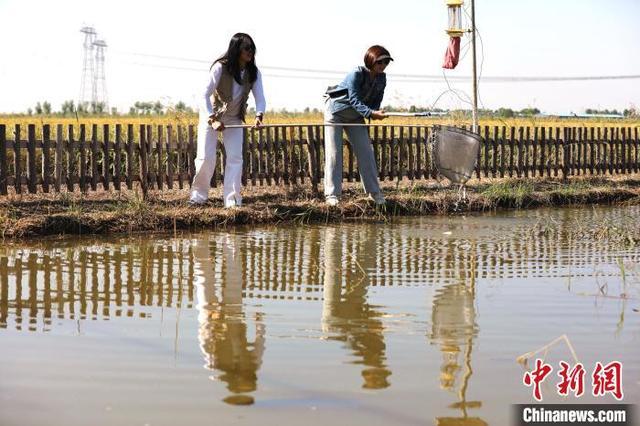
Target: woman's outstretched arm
258,95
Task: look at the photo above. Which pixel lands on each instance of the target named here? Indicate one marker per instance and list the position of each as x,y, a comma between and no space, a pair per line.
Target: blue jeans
361,145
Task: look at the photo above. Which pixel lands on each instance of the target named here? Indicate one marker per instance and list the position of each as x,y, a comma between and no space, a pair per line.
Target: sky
42,50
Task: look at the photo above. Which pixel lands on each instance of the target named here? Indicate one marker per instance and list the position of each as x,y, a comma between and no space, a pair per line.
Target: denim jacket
357,91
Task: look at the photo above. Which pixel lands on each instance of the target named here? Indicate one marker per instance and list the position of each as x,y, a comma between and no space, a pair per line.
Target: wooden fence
93,158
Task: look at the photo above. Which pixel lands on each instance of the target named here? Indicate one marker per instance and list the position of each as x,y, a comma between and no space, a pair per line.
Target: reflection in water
222,328
346,312
89,282
340,268
453,328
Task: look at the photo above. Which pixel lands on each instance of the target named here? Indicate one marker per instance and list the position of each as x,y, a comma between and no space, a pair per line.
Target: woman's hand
217,125
378,115
258,124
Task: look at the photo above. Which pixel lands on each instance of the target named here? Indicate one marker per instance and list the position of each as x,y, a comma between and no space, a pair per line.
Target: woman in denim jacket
358,97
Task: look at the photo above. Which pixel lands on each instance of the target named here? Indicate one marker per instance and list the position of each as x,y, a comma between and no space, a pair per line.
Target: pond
415,321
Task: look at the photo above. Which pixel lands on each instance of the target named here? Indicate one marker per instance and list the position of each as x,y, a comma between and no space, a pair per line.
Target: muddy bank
24,216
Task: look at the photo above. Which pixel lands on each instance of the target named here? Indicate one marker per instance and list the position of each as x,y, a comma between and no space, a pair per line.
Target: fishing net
454,153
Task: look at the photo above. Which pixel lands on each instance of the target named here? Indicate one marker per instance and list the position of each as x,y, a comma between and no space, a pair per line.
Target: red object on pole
452,56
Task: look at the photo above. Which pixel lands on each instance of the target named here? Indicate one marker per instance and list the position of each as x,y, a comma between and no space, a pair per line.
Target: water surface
419,321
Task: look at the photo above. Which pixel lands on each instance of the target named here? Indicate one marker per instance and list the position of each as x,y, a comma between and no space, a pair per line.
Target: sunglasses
249,49
383,61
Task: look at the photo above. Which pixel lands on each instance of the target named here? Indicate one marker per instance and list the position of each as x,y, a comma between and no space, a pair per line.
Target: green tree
158,108
505,113
67,108
529,111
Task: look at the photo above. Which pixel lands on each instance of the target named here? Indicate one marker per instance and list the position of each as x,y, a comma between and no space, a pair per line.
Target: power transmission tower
87,86
100,82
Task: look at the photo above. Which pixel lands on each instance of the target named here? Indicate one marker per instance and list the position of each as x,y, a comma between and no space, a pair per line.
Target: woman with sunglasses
357,98
231,78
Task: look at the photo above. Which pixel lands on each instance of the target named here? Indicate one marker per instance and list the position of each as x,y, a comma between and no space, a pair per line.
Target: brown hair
373,53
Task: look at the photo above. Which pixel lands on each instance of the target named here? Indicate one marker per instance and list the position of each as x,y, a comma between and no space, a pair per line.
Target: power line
418,78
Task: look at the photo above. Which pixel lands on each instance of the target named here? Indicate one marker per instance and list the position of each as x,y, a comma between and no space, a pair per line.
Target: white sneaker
232,204
378,198
332,200
196,203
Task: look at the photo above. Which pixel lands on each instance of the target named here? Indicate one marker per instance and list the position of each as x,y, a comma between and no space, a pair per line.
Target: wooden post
319,144
31,160
565,152
117,158
143,161
94,157
106,170
636,146
82,144
629,150
586,152
577,152
534,153
277,155
401,155
46,157
623,142
260,156
503,160
592,151
604,143
313,167
300,156
151,177
70,158
3,159
393,163
383,154
494,152
544,161
612,152
170,150
267,155
58,159
416,138
246,162
486,144
17,160
159,167
130,156
512,158
286,155
192,154
520,169
410,155
181,158
252,157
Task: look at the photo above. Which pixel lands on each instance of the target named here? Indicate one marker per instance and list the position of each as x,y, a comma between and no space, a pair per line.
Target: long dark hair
231,58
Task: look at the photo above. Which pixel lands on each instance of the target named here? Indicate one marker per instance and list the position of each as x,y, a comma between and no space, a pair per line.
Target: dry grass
126,212
176,119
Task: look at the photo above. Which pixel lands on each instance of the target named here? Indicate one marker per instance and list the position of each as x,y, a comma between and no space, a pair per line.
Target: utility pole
99,95
88,68
475,76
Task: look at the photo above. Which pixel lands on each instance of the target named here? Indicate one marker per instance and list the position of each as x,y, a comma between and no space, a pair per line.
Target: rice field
181,119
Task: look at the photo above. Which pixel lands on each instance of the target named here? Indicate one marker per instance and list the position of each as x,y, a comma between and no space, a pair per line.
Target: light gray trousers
361,145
